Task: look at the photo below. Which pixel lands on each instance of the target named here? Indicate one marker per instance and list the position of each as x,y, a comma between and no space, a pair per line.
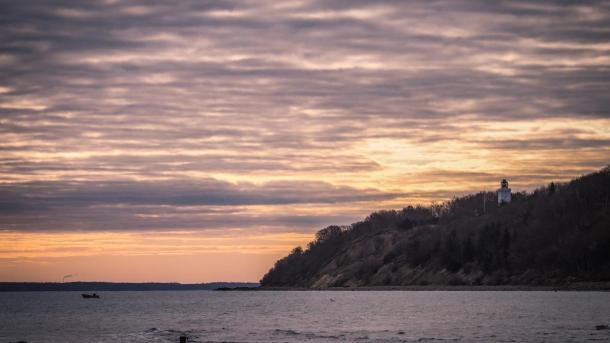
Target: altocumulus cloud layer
289,115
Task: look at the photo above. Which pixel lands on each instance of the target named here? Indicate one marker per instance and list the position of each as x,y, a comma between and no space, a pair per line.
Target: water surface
316,316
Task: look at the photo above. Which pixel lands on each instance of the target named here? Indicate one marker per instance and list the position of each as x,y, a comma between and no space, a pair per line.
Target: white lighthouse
503,193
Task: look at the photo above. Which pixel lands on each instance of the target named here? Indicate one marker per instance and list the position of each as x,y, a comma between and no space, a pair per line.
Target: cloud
122,115
182,193
168,205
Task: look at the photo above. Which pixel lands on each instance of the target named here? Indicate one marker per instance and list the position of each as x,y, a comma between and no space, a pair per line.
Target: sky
198,141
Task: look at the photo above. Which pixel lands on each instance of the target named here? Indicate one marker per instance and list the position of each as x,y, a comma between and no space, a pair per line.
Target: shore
580,286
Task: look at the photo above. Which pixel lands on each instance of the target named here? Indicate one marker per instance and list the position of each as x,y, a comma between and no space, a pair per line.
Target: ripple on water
387,317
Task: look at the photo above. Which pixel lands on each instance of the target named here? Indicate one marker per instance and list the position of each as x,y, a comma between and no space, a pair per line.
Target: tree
329,233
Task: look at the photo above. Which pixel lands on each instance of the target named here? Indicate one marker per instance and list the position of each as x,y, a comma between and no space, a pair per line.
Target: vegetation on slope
555,235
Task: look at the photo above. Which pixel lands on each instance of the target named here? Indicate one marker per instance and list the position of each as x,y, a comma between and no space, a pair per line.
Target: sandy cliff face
365,262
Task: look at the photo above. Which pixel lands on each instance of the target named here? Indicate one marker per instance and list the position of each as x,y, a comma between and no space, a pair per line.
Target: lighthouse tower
503,193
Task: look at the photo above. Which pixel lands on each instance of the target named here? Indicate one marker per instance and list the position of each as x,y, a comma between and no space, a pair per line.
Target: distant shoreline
249,287
118,286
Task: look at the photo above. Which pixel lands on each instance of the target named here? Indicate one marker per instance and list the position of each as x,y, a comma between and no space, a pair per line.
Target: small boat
90,296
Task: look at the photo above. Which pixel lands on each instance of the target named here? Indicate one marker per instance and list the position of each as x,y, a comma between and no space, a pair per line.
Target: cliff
557,235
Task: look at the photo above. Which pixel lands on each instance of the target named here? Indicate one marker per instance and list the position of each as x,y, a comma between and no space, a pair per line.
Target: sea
306,316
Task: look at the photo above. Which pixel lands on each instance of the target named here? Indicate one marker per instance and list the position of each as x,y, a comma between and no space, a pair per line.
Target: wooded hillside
555,235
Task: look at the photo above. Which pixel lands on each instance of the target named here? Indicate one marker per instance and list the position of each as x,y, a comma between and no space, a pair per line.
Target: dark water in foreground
335,316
